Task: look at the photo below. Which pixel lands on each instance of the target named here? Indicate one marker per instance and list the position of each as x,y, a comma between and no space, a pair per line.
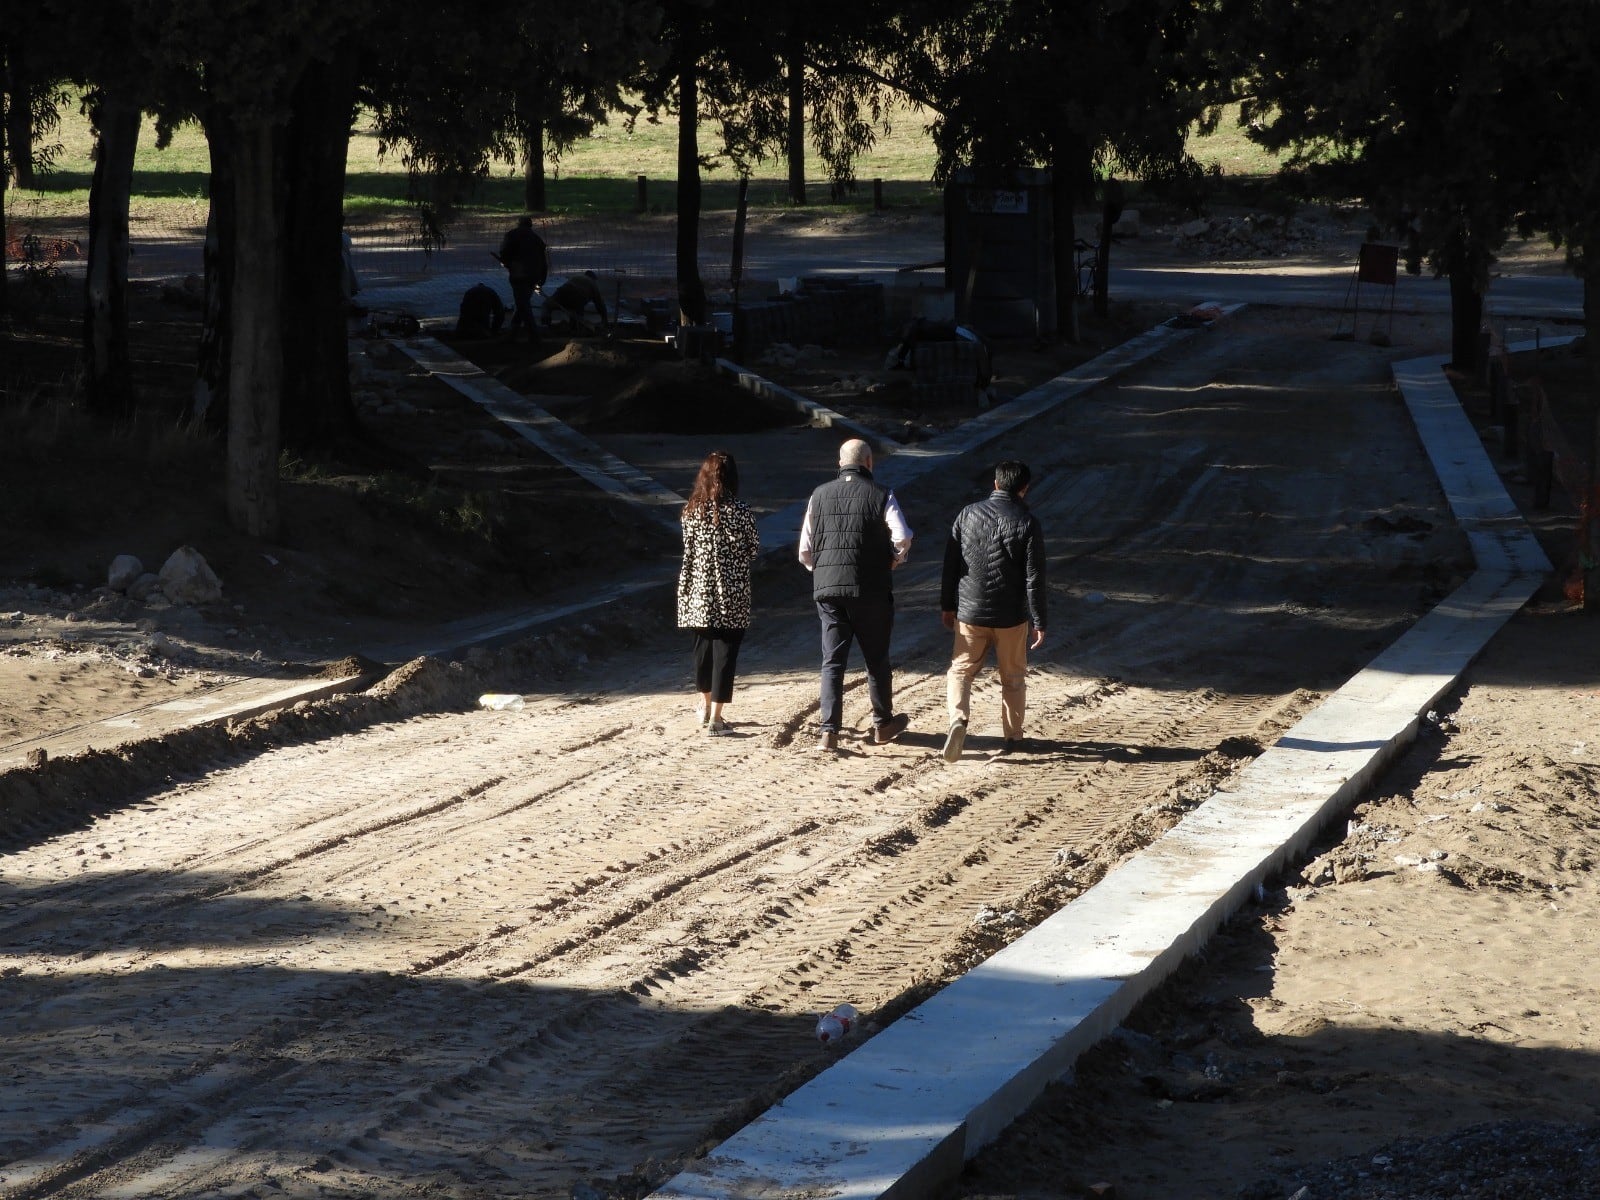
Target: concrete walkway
557,439
899,1116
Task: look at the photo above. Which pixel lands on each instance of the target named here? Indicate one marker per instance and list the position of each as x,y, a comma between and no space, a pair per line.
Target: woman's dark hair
718,481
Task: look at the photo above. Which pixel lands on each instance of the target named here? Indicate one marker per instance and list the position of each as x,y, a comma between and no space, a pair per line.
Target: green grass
599,174
1230,151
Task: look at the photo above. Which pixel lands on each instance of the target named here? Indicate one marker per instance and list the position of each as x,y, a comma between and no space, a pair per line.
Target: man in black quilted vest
992,592
853,537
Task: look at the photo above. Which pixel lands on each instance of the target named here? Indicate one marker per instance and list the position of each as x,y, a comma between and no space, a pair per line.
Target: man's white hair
855,453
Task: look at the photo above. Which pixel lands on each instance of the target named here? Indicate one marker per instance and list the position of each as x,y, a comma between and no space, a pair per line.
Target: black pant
522,300
870,622
716,657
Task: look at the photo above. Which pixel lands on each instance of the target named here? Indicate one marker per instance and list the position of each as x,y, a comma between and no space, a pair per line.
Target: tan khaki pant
1011,659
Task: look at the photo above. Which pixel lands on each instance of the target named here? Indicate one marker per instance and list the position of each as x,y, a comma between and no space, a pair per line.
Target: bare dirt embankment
534,952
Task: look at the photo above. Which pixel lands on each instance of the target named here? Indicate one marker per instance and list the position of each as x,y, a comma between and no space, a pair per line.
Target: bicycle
1088,264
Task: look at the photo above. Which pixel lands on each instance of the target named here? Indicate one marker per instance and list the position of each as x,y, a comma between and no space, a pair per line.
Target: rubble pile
1255,235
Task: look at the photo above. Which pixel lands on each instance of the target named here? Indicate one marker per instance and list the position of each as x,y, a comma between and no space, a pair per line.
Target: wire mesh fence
166,245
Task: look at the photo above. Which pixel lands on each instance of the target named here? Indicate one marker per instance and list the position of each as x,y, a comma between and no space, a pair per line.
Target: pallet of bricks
1533,434
945,374
824,311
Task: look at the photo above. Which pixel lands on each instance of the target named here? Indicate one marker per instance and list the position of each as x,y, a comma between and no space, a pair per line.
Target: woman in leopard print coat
719,543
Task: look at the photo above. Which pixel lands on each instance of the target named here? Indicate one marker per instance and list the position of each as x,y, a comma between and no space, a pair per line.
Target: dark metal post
738,261
738,236
1513,420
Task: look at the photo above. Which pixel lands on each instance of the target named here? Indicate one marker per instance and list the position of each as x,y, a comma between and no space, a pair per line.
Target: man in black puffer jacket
992,591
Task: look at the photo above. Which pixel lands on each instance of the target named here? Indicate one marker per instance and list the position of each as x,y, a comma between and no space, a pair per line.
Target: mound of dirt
626,385
579,353
555,367
680,397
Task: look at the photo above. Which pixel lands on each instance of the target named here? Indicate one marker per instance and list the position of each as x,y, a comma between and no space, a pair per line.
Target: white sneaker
954,740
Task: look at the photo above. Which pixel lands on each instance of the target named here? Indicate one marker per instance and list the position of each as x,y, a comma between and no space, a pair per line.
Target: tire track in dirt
996,842
551,1087
500,953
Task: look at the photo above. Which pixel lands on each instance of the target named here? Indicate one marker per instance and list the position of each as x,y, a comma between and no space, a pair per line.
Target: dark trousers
716,658
870,622
522,301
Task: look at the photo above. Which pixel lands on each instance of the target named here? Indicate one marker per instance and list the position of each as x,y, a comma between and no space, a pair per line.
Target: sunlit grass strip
171,185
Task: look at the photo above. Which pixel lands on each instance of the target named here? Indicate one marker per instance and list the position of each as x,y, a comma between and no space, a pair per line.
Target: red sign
1378,263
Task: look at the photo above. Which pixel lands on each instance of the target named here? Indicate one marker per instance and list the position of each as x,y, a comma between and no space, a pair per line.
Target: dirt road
554,951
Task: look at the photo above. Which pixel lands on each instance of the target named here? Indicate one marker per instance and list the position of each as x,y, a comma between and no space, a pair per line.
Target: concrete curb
235,701
560,441
818,414
911,462
900,1115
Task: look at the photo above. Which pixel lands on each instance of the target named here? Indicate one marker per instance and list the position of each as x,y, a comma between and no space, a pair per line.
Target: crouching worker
573,297
482,312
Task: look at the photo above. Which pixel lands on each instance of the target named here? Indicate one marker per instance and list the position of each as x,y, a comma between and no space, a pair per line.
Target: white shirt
899,533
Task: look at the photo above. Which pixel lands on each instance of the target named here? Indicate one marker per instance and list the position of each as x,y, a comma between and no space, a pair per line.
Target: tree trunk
533,198
1070,169
5,297
796,147
209,406
1466,261
317,412
255,369
1064,259
691,291
1466,320
18,131
105,318
1590,550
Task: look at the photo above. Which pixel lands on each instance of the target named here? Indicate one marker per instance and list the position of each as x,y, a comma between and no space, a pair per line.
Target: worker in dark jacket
853,536
573,297
991,593
526,258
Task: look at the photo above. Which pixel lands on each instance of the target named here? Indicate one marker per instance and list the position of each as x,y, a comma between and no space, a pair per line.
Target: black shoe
1012,745
954,740
883,734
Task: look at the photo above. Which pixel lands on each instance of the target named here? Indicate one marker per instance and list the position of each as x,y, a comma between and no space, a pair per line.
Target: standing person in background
991,591
719,543
853,536
527,262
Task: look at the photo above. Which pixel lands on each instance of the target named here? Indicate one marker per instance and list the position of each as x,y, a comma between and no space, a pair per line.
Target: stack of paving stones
826,312
945,374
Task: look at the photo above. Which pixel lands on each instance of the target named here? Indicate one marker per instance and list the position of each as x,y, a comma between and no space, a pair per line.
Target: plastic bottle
836,1026
499,700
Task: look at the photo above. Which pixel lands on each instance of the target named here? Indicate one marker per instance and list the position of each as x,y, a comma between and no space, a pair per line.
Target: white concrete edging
899,1115
819,415
560,441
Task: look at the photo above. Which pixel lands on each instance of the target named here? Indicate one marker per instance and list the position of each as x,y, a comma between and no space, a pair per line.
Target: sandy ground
399,946
1427,972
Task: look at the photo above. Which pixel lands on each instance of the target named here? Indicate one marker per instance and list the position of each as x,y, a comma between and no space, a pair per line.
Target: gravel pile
1521,1160
1256,235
